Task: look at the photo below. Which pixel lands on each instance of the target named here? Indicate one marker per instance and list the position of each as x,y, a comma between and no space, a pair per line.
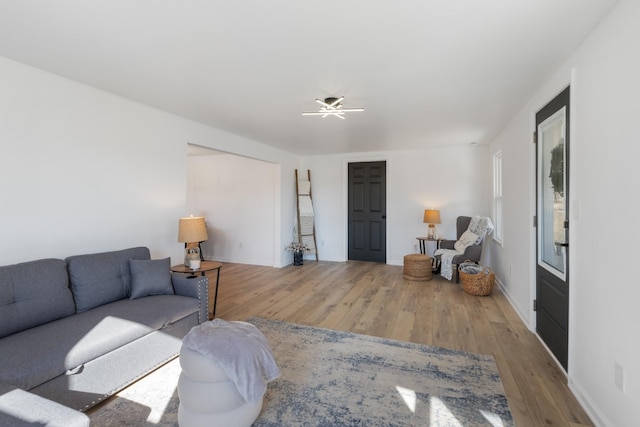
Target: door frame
574,214
345,201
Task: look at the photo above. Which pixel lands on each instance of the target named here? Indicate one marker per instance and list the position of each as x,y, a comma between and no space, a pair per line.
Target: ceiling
427,72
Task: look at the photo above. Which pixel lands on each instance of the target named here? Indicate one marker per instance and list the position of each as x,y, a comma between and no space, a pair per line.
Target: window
497,196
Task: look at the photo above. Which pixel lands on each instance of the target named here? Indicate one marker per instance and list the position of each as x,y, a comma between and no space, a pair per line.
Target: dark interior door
552,266
367,211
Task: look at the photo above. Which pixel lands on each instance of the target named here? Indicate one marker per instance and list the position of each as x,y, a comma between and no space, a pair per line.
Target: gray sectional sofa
76,331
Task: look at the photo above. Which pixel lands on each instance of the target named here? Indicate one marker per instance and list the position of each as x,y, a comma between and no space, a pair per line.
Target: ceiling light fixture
332,107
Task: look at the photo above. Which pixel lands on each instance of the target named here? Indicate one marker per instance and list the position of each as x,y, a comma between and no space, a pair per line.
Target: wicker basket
417,267
478,284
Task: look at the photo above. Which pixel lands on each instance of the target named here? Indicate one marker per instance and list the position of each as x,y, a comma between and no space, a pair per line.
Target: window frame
498,204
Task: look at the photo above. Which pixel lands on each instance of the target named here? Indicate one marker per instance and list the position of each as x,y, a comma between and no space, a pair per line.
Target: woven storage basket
478,284
417,267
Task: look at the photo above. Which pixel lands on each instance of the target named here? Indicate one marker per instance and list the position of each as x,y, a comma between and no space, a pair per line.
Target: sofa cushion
34,356
33,293
150,277
98,279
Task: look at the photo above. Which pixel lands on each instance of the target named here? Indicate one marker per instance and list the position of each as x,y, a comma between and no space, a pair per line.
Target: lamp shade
431,216
192,229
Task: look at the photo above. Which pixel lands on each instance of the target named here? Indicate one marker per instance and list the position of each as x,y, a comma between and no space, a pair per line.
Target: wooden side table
423,248
204,267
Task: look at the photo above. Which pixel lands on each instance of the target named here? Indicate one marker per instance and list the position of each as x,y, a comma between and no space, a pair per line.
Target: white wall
84,171
455,180
511,260
605,147
236,195
284,185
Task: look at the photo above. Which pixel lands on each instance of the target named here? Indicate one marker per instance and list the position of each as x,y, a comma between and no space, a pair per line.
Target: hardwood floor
375,299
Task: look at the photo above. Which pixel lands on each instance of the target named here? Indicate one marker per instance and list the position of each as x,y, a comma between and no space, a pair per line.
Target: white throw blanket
242,352
306,225
305,206
480,225
304,187
446,264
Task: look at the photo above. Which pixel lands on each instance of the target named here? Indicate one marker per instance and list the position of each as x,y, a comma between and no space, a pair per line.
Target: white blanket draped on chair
480,225
446,261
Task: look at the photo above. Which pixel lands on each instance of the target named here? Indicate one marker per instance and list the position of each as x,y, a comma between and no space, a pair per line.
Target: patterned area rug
334,378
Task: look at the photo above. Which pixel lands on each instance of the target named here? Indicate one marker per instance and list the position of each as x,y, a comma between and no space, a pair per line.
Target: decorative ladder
306,228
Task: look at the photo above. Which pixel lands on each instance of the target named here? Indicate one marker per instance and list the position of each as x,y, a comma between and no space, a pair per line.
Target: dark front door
367,211
552,273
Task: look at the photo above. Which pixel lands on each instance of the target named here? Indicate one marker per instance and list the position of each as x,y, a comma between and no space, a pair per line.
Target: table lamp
431,217
192,231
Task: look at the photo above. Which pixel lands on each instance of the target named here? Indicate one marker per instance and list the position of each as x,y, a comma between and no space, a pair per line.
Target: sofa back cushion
98,279
33,293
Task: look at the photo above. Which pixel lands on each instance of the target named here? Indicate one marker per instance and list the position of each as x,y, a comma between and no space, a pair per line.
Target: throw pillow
150,277
467,239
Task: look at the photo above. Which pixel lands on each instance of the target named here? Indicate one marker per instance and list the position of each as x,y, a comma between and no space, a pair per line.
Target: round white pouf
207,397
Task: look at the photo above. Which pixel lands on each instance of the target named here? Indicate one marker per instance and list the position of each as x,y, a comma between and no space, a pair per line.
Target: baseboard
507,295
598,419
515,308
333,259
583,399
243,261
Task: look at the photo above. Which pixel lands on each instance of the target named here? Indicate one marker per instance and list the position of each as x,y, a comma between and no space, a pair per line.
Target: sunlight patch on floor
494,419
159,391
408,397
440,415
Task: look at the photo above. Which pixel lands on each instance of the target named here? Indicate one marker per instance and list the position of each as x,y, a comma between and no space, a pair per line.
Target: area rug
334,378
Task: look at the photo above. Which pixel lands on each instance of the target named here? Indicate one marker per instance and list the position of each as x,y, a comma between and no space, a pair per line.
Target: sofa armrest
194,287
19,408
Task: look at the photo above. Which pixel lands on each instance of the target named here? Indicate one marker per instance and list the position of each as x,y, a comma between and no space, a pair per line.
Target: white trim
576,389
498,199
544,345
597,417
511,301
559,116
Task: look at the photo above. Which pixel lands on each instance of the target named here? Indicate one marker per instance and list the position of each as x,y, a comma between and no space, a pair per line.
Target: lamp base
192,257
431,234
